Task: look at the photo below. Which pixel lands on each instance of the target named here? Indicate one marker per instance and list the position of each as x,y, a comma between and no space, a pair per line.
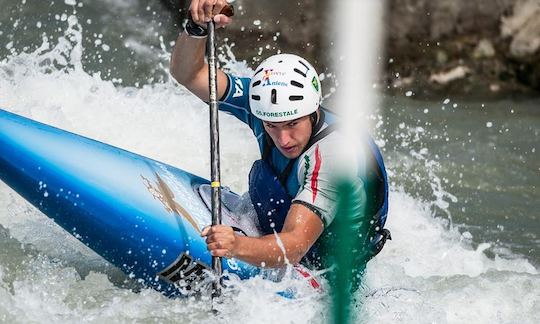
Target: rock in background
481,48
264,28
474,48
522,29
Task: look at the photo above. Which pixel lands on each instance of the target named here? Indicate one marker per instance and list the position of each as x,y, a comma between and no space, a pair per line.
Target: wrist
194,30
238,250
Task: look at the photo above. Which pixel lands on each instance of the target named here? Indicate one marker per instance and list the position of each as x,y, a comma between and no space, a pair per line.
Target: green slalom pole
350,253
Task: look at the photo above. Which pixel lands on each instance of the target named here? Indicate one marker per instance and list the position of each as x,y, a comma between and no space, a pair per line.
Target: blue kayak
143,216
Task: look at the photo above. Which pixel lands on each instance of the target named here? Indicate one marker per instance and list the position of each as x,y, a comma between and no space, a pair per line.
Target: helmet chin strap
313,118
317,121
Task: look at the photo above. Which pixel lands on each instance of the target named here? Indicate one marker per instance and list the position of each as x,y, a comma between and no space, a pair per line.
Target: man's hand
221,240
302,228
202,11
187,60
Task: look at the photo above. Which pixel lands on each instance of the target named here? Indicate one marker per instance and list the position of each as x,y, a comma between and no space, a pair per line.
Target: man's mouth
288,149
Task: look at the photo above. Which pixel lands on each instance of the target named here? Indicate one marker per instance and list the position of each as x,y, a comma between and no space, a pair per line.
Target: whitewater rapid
428,273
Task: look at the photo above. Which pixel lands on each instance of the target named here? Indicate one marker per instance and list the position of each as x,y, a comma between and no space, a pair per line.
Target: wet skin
290,137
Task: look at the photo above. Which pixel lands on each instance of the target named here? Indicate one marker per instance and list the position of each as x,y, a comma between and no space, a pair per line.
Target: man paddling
293,186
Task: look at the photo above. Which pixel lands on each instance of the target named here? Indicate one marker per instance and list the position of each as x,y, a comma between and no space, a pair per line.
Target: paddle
215,176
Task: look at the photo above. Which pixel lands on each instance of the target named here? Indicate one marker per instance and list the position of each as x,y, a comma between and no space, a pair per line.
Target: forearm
300,231
267,252
187,60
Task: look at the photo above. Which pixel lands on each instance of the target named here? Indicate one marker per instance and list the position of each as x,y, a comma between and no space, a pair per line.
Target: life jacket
381,234
272,201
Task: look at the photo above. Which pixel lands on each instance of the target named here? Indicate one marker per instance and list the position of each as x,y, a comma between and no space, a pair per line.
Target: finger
220,238
223,236
210,239
219,245
222,20
205,231
194,10
221,229
216,8
221,253
208,10
200,13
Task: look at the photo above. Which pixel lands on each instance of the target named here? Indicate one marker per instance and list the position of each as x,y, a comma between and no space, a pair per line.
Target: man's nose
284,138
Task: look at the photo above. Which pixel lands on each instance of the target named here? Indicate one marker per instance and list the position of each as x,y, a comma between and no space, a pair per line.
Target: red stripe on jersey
308,276
315,176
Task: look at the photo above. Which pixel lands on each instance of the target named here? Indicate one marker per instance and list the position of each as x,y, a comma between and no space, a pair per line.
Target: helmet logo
315,84
266,78
277,114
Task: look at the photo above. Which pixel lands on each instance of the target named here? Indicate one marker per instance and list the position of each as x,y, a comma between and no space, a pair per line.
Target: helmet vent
256,83
296,84
304,64
274,96
255,97
258,71
300,72
296,98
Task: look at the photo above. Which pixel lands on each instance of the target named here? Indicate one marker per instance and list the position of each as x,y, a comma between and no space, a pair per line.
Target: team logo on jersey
314,180
238,88
268,74
306,170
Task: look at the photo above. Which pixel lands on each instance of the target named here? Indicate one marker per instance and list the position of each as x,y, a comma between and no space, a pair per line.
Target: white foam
429,272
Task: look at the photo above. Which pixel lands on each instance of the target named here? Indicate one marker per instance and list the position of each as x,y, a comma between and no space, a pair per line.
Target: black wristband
194,30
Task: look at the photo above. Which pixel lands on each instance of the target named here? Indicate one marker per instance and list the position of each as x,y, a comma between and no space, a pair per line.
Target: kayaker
292,187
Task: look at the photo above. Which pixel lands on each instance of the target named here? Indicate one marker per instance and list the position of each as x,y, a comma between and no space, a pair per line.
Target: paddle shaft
214,148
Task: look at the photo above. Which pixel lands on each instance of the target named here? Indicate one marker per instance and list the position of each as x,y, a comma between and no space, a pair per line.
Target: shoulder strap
267,148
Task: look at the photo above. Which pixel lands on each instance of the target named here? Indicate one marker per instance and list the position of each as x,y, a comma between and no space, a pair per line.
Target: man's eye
269,126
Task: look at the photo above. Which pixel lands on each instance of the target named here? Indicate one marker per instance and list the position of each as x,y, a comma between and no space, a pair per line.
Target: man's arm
187,61
301,229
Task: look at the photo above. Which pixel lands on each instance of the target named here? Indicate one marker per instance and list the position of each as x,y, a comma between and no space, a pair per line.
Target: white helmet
284,87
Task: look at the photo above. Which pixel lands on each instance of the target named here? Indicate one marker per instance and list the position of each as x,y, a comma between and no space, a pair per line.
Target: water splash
429,272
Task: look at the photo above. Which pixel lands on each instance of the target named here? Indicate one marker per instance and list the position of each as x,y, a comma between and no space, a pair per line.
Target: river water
464,183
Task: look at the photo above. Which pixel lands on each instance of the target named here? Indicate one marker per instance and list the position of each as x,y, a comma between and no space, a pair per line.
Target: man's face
290,137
